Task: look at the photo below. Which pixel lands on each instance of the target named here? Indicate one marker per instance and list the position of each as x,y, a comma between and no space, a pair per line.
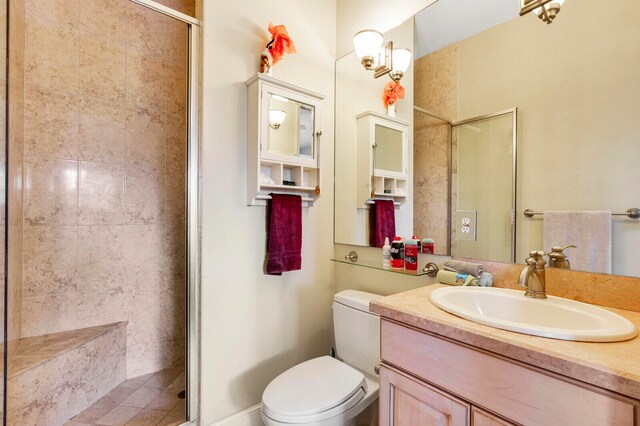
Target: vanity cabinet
284,133
482,418
411,402
443,382
382,158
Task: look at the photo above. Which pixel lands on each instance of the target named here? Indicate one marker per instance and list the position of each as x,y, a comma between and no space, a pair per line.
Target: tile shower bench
55,376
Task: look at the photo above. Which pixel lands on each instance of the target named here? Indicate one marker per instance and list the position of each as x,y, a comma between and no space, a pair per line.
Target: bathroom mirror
290,127
389,149
575,92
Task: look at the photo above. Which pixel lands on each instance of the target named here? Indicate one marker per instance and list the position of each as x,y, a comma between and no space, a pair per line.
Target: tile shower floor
148,400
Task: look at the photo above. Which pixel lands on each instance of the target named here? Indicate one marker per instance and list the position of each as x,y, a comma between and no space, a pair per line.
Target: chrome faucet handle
536,258
533,275
561,249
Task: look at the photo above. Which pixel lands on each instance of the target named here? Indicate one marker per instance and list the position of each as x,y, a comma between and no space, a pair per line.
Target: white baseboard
251,416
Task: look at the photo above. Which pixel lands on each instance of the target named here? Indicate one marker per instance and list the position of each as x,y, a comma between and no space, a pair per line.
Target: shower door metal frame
192,206
514,168
514,181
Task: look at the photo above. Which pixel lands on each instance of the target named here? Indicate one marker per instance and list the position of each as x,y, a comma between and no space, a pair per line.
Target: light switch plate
466,225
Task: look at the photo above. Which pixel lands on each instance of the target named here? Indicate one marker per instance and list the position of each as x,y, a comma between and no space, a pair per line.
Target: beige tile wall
104,160
14,175
435,90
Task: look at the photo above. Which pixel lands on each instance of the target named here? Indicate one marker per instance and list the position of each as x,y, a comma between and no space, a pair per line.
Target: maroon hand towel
284,235
382,222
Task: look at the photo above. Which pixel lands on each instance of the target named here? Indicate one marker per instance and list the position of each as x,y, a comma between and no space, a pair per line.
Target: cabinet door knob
319,133
377,369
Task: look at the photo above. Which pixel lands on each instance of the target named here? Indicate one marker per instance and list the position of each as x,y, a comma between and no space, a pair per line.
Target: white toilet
327,391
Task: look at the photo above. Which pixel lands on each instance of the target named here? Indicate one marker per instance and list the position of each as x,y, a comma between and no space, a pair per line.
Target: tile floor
150,400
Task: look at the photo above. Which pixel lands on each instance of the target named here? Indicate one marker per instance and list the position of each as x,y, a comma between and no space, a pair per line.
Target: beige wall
357,92
104,175
381,15
576,88
256,326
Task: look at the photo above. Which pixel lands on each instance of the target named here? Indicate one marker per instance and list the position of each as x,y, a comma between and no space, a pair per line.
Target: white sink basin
554,317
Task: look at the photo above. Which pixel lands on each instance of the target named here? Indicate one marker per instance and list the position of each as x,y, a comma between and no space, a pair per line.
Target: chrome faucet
533,275
557,258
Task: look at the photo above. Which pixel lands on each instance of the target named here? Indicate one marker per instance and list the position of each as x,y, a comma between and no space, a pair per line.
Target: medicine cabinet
382,158
284,140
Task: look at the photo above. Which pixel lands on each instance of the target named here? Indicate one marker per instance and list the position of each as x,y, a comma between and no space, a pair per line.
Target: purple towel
382,222
284,234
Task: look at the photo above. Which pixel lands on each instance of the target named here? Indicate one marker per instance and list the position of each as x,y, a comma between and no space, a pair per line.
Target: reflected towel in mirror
590,231
382,222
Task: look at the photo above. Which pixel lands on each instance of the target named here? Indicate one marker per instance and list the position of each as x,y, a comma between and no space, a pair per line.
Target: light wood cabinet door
407,402
482,418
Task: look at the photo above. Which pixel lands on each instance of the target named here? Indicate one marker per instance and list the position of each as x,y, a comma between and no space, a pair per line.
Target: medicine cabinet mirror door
291,123
390,158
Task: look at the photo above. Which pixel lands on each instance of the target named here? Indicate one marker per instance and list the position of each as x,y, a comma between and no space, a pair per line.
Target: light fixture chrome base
386,61
548,15
368,62
396,76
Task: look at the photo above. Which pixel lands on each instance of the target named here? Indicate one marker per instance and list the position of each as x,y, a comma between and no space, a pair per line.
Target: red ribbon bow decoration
280,42
392,93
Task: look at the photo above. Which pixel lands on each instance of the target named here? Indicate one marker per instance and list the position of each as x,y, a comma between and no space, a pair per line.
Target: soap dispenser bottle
386,254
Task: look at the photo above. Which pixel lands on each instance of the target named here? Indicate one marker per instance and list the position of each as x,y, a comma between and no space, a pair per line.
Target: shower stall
100,178
462,171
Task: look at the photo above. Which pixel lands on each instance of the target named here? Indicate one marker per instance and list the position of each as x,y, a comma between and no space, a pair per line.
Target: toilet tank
357,330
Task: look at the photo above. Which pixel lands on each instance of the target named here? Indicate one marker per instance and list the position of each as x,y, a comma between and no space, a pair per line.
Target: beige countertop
613,366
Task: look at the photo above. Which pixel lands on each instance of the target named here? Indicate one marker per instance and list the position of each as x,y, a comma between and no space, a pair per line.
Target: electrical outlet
466,225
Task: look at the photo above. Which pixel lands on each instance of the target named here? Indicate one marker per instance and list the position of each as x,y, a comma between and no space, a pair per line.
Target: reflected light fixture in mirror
547,10
276,118
401,60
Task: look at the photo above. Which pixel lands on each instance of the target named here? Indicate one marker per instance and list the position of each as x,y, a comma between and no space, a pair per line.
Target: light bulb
368,44
276,118
401,59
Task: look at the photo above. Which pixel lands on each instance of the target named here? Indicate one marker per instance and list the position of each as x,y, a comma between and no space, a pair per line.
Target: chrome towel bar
633,213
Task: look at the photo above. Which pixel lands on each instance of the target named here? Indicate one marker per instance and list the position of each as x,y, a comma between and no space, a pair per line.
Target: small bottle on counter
411,255
397,253
428,246
417,240
386,254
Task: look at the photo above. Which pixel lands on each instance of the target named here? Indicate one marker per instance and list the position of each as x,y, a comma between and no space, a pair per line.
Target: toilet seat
313,391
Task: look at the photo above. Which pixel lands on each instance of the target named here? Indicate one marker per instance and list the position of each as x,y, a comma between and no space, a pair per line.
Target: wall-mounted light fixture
276,118
547,10
380,57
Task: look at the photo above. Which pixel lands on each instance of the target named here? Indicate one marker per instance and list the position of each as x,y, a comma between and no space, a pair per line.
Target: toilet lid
315,386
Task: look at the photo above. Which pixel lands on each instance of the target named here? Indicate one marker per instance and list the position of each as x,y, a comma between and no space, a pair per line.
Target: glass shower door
483,187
